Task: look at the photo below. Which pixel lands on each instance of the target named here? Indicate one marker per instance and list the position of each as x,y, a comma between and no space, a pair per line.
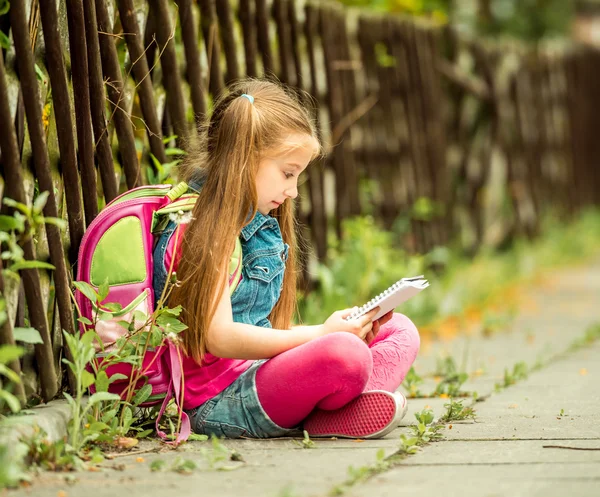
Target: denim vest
263,264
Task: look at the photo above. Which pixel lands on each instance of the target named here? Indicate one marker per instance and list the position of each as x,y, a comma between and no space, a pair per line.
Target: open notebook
391,298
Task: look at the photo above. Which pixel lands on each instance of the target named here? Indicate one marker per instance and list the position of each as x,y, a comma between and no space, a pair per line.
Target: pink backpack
118,248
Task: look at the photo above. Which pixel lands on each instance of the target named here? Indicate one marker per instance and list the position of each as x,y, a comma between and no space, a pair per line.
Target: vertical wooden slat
106,166
81,94
226,29
170,70
318,215
64,129
31,280
115,91
10,160
210,32
140,71
283,42
189,36
262,32
295,43
247,20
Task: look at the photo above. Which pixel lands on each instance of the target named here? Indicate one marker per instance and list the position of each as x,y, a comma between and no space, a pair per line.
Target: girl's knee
404,326
346,352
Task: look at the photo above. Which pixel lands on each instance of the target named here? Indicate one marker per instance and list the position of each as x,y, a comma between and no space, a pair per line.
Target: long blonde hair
232,143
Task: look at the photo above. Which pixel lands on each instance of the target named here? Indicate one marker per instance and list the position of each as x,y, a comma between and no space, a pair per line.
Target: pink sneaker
372,414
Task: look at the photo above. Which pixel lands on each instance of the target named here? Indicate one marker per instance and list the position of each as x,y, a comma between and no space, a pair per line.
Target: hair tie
249,97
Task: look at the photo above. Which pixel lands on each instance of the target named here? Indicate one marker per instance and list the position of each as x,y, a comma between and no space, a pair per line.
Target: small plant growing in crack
306,442
455,411
519,372
412,382
425,430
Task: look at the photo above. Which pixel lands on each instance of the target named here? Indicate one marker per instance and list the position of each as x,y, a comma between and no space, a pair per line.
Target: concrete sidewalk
501,454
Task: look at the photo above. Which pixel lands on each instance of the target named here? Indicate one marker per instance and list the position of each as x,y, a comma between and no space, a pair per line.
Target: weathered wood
283,41
31,279
318,215
97,99
140,70
64,128
85,141
193,69
247,20
210,32
170,70
226,29
262,32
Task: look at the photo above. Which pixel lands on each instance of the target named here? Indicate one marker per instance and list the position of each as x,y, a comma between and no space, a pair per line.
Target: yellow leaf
139,459
513,406
583,371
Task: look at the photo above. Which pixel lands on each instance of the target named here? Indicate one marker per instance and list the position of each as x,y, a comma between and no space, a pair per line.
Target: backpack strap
174,391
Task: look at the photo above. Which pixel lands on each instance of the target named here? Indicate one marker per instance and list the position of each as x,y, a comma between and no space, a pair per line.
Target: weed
425,430
218,454
412,382
450,386
590,336
455,411
179,465
408,446
362,473
306,442
520,372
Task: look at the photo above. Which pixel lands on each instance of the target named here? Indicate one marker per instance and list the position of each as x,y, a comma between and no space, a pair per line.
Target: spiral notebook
392,297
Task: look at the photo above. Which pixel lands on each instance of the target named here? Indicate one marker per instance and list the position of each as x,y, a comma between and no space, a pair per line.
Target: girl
247,373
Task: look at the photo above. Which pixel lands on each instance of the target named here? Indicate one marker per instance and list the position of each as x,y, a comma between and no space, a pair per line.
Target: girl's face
278,171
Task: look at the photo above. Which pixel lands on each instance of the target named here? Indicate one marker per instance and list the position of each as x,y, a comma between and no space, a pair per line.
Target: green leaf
113,307
18,266
116,376
10,223
12,402
102,382
87,379
98,426
127,419
27,335
142,395
40,202
197,437
10,353
169,138
102,397
40,74
145,433
85,320
87,290
174,151
4,7
107,416
4,40
103,290
61,223
9,373
69,398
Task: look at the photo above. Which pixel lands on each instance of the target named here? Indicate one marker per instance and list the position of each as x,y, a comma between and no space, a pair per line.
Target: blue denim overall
236,411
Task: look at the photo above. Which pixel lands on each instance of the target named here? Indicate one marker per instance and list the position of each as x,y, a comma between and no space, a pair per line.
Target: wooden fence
449,133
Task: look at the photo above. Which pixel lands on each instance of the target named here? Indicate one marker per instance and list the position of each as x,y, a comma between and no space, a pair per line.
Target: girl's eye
288,175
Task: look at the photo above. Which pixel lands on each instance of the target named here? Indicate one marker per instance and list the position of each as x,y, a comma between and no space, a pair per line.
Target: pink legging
332,370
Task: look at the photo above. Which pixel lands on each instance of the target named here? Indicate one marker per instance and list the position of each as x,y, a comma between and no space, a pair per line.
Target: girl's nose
292,192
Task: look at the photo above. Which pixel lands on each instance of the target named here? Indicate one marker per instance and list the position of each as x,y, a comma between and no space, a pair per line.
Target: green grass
366,262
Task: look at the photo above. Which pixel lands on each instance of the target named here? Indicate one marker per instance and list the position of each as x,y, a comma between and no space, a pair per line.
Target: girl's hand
376,325
359,327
